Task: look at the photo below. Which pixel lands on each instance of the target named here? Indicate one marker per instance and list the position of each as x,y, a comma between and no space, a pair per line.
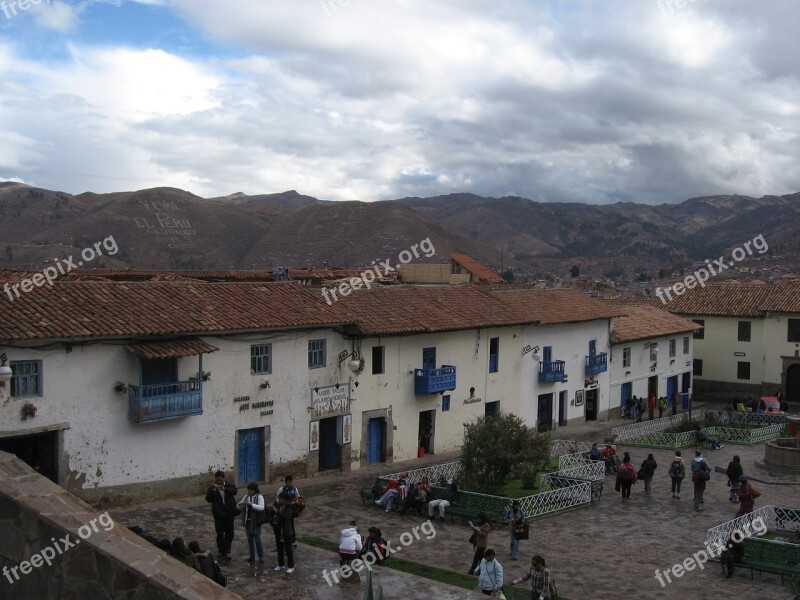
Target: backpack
220,577
626,473
676,469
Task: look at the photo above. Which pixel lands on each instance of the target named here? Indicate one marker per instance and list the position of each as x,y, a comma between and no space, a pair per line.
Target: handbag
522,531
260,517
499,594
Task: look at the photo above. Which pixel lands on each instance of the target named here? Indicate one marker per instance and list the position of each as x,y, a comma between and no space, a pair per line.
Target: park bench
772,556
369,497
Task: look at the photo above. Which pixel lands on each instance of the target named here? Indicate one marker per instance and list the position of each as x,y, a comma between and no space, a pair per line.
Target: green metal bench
771,556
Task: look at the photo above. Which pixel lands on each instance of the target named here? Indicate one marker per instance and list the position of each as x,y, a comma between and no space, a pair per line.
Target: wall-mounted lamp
5,371
264,384
534,350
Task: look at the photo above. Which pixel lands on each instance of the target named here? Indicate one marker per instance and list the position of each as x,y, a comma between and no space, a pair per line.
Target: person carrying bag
254,515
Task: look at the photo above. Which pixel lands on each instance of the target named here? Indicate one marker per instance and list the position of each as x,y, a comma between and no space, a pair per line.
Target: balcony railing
596,364
148,403
433,381
550,372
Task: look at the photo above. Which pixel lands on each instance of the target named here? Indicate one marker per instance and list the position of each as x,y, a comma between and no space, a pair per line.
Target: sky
598,101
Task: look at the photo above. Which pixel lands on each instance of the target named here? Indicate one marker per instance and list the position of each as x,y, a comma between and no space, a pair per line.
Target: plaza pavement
608,550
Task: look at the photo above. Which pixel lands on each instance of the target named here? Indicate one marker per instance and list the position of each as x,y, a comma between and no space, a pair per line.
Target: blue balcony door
592,347
158,371
627,389
544,422
429,358
329,456
547,354
376,434
250,455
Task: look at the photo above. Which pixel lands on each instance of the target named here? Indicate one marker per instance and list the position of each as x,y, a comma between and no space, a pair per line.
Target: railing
593,470
436,474
433,381
550,372
774,517
596,363
561,447
624,433
148,403
745,436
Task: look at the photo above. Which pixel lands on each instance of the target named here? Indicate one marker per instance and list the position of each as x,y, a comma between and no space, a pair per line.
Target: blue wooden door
672,385
328,447
250,455
592,347
429,358
626,393
375,429
547,354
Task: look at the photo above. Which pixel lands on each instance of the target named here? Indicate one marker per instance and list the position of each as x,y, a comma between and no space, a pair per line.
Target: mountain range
168,228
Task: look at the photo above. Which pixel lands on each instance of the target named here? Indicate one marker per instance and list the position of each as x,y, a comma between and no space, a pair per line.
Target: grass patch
459,580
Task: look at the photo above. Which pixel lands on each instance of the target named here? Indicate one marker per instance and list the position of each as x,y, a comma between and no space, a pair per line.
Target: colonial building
750,342
651,353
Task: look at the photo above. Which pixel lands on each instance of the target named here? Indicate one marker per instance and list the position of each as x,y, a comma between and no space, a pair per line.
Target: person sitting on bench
709,440
443,501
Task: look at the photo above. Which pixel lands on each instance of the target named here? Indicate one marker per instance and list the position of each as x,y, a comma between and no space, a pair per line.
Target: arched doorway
793,386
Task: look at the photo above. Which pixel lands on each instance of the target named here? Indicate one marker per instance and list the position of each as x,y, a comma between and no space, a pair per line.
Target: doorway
544,419
427,419
250,458
652,387
329,455
562,408
793,385
627,391
39,451
591,405
376,440
672,388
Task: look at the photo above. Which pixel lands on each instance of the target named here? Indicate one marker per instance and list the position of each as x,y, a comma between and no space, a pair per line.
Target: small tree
575,271
497,446
535,455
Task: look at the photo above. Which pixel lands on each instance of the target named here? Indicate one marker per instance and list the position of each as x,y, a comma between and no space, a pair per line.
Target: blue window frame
445,403
26,378
261,359
494,352
547,354
316,354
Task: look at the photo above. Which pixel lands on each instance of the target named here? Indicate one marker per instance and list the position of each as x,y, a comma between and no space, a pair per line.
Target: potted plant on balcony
205,375
120,387
28,411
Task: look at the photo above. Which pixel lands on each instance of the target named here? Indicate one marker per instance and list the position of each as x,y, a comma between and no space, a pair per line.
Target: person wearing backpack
677,471
699,479
542,584
626,475
662,406
253,515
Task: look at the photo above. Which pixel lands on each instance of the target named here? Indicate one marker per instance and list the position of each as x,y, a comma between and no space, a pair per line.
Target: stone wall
55,546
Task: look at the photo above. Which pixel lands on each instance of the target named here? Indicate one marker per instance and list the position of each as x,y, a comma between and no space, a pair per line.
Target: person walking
699,478
626,475
222,497
490,574
540,579
734,472
479,540
652,406
252,503
677,471
648,470
674,404
747,497
283,528
662,406
515,518
640,406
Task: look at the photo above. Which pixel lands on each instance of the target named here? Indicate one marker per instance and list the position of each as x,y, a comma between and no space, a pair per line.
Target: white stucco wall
720,345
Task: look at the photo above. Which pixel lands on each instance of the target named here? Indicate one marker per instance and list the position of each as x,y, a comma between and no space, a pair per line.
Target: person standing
490,574
515,518
288,487
662,406
540,579
734,472
699,478
649,467
626,475
674,404
283,528
677,471
479,540
652,406
250,504
640,406
633,407
222,496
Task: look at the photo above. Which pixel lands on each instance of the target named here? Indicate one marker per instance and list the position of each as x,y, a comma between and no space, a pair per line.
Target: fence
776,517
626,433
436,474
562,447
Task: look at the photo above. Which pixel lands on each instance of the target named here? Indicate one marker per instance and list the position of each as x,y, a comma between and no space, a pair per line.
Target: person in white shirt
251,504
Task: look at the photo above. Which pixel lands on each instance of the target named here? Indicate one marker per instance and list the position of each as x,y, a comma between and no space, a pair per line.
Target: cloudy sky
584,101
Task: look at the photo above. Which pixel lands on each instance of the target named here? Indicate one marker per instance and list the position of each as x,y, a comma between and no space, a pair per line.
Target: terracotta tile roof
723,300
78,310
417,309
646,322
783,297
482,272
172,348
640,301
566,305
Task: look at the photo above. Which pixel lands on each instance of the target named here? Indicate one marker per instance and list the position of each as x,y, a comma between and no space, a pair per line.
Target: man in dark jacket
222,496
734,472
